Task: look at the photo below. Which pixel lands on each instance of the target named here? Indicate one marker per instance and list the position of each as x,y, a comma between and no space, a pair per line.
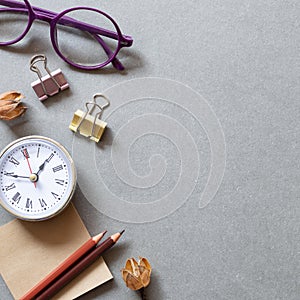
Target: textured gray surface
243,58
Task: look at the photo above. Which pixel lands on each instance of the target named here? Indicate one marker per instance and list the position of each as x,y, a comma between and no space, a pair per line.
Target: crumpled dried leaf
11,106
136,274
12,95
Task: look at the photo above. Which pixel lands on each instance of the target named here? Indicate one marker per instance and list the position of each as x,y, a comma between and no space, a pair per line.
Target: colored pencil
81,265
53,275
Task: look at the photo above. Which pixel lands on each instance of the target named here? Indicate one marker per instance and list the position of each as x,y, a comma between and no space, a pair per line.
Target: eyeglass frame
52,18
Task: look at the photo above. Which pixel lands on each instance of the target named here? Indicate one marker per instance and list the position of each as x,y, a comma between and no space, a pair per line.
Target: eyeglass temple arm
126,40
48,15
116,63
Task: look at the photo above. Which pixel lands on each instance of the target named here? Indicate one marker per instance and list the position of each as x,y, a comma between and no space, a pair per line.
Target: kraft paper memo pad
31,250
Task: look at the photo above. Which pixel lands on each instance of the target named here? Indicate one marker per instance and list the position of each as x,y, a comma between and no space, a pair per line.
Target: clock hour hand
42,166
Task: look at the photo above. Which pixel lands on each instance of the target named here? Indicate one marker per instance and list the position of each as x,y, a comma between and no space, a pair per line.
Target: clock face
37,178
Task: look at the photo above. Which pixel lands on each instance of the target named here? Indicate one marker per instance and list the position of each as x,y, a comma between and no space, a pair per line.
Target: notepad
31,250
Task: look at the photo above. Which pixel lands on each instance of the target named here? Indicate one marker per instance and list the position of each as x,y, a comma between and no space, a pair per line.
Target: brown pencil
78,267
51,277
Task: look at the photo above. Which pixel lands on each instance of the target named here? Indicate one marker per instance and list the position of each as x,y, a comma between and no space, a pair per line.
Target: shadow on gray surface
61,96
26,46
130,58
17,126
106,139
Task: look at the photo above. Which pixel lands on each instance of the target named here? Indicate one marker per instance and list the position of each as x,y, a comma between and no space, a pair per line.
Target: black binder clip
88,125
49,84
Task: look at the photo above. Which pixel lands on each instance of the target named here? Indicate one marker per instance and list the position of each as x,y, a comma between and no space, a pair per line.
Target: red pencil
78,267
80,252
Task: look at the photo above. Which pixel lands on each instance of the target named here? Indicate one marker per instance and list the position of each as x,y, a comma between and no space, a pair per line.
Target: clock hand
41,167
27,158
16,176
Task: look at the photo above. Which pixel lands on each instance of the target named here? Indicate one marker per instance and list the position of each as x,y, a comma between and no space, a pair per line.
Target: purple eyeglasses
84,37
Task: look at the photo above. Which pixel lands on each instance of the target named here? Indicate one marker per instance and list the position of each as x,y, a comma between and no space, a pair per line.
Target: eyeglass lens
13,23
84,47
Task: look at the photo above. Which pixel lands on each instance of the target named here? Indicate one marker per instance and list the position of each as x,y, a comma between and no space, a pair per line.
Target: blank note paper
31,250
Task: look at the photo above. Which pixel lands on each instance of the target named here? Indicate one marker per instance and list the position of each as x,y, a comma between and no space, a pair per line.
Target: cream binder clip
50,84
88,125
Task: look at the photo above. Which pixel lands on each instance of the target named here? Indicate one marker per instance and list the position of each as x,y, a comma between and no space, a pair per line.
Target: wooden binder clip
49,84
88,125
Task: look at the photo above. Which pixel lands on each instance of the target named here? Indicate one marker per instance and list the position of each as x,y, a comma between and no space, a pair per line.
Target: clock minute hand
16,176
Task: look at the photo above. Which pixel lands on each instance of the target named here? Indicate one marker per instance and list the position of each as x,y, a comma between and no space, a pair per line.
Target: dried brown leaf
17,112
11,106
12,95
132,282
5,109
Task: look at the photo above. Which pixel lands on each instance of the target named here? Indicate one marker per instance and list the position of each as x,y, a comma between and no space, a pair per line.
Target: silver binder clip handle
90,111
105,105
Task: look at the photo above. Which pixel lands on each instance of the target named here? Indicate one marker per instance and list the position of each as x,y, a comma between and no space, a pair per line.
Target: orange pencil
80,252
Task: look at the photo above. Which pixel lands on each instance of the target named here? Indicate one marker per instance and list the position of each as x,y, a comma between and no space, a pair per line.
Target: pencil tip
116,236
99,236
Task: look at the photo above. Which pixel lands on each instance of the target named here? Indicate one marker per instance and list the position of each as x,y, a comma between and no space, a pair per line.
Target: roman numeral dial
50,157
25,152
37,178
14,161
57,168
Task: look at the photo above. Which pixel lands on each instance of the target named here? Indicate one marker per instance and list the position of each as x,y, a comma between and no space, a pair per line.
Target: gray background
243,58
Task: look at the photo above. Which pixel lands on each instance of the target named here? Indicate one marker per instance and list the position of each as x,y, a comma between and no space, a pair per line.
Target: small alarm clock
37,178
